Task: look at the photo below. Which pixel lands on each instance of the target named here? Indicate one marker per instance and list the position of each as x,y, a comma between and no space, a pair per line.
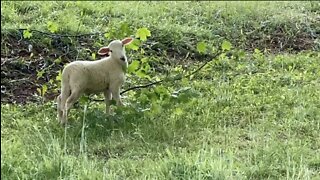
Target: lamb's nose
122,58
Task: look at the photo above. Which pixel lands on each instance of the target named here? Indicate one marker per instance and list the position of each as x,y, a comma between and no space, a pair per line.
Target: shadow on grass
97,124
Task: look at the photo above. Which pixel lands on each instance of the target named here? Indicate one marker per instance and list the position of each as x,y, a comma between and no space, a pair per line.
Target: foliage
247,25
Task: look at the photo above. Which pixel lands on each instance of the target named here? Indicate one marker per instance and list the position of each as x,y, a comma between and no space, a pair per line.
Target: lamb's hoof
63,123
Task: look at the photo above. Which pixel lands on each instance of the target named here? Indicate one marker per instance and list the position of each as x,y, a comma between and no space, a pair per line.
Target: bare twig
4,61
23,79
142,86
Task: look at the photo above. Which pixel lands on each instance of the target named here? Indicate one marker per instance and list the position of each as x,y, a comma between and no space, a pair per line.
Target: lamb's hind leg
59,109
69,103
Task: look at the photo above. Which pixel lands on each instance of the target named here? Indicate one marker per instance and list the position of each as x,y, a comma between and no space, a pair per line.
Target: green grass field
254,115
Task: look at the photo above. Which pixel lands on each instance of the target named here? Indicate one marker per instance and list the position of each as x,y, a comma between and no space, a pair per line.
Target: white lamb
105,75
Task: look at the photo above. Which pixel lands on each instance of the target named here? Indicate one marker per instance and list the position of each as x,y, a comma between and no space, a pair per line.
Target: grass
240,124
255,116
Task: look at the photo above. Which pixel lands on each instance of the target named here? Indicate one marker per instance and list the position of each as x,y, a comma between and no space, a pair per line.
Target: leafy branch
175,78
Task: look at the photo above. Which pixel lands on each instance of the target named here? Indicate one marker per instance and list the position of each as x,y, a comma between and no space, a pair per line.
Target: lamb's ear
103,51
127,41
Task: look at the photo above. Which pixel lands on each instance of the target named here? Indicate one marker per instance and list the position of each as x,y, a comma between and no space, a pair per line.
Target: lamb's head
116,49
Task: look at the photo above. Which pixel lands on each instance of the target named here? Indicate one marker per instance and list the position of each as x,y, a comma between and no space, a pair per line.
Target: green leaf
57,61
143,33
39,91
59,76
40,74
141,51
107,35
134,45
93,55
146,67
52,26
201,47
140,74
226,45
44,89
133,66
144,60
27,34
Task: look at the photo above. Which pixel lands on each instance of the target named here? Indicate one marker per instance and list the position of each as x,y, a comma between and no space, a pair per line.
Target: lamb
86,77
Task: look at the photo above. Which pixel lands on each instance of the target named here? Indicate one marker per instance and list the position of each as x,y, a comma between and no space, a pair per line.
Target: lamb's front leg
107,99
115,90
